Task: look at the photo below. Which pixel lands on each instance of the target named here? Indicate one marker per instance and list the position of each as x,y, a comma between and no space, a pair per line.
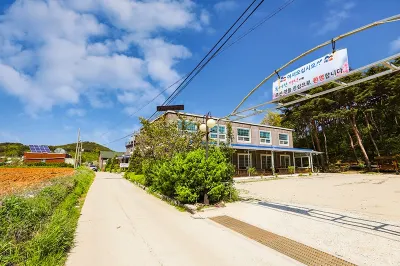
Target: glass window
243,134
187,125
244,161
285,160
305,162
214,132
265,137
266,161
284,139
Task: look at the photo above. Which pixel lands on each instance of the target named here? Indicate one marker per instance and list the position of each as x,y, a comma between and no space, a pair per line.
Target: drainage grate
291,248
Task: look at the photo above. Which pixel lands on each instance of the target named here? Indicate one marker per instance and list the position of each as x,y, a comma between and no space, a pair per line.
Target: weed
40,230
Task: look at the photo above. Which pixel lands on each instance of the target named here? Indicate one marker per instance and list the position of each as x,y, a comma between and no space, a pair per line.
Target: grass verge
40,230
135,178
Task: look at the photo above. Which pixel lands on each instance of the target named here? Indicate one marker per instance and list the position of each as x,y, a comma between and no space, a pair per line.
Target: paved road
123,225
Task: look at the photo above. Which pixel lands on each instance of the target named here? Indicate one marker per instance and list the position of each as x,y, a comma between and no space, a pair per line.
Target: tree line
357,123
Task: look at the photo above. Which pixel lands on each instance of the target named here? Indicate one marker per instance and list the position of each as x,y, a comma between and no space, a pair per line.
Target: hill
90,154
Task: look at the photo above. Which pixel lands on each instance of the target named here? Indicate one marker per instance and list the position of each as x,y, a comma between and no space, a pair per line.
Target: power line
265,19
198,71
210,51
271,15
187,75
183,85
197,66
142,107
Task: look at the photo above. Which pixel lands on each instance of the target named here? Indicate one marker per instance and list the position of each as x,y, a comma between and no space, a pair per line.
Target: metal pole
273,163
206,201
207,137
294,164
76,149
312,167
80,154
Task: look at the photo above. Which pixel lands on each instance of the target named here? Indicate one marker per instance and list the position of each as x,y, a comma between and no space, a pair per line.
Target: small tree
162,139
135,163
272,119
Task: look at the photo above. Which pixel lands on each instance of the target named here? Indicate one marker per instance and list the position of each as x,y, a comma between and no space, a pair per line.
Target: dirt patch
16,179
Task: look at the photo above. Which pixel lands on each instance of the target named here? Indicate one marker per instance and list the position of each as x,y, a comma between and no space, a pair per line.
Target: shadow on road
336,218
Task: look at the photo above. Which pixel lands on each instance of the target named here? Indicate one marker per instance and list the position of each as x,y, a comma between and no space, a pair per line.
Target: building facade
266,149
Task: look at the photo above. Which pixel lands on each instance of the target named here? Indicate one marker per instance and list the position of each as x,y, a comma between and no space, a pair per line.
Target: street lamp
209,123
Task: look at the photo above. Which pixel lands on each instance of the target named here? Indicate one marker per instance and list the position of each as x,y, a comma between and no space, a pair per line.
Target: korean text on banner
325,68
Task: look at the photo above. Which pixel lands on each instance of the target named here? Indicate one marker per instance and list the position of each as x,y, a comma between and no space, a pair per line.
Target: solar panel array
39,148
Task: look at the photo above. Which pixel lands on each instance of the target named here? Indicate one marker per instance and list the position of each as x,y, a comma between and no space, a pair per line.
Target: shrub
252,171
291,169
187,177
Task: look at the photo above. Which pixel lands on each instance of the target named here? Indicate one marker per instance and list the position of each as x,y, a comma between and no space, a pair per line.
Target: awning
272,148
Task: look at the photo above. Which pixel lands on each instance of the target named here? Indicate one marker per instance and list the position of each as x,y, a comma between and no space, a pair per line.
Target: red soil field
16,179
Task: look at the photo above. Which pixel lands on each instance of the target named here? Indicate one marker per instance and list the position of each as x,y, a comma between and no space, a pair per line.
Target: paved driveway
123,225
374,197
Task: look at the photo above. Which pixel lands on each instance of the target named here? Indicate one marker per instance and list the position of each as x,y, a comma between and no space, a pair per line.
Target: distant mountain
91,149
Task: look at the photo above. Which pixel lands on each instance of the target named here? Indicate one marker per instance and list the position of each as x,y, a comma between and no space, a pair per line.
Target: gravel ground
351,241
375,196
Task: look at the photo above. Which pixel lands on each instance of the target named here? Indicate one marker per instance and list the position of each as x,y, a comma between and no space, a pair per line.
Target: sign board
325,68
123,165
170,108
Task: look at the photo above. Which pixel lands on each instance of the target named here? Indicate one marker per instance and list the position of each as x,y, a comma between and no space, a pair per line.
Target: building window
243,134
266,161
187,125
265,137
218,130
244,161
285,161
283,139
303,161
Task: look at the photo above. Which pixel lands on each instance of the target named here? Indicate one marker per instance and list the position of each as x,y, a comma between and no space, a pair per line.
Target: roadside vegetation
39,229
172,161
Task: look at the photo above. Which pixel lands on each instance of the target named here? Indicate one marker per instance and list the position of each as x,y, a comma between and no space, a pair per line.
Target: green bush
40,230
291,169
135,162
187,177
134,177
252,171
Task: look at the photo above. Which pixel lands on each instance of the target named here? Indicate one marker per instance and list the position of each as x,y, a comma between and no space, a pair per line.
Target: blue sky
89,64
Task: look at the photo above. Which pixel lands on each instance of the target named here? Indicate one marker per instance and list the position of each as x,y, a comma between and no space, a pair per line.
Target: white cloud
76,112
48,56
160,56
335,17
395,45
205,17
227,5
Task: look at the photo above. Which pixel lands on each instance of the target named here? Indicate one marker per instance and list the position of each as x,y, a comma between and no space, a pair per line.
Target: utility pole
80,153
77,149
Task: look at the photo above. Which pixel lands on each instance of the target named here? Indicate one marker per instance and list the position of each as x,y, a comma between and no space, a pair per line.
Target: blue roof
271,148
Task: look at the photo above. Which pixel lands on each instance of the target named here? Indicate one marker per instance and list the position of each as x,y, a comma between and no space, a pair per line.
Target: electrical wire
190,73
220,51
215,53
183,84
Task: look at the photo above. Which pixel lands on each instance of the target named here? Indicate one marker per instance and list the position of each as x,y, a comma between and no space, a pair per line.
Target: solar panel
39,148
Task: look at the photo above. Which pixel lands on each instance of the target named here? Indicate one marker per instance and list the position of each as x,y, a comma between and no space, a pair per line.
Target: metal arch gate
237,114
